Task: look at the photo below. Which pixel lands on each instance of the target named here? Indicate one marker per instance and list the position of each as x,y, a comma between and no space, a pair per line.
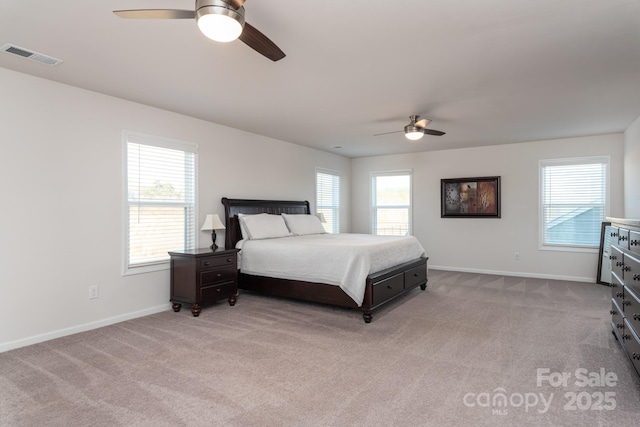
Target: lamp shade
212,222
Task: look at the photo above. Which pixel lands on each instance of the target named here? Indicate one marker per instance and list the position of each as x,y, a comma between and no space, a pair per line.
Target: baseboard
11,345
514,274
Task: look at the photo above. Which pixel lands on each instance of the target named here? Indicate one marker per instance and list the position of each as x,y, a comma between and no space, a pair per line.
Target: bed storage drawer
414,277
388,288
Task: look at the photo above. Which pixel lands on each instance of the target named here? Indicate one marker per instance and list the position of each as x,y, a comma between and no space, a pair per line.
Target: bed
380,287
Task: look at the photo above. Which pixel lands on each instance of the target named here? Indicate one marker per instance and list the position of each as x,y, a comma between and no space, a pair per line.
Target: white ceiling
485,71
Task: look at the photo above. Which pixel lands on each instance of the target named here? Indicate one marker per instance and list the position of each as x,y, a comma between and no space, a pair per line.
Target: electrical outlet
516,256
93,292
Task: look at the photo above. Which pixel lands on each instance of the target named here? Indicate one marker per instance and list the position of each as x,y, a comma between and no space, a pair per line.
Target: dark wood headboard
232,207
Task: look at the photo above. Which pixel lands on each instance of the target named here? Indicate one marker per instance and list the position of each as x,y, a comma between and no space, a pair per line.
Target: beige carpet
440,357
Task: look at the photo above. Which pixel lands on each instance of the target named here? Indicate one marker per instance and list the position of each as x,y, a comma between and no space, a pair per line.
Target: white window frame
542,245
334,227
373,201
139,138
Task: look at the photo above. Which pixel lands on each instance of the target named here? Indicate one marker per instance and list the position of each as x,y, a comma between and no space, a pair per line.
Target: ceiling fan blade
387,133
236,4
156,14
260,43
433,132
422,123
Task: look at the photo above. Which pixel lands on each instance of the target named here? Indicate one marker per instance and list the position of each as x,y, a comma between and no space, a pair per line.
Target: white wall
484,244
632,171
61,216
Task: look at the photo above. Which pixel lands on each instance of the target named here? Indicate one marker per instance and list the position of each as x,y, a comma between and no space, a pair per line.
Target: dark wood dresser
201,276
625,285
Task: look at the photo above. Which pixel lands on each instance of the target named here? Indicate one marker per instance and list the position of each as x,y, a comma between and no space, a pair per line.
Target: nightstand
201,276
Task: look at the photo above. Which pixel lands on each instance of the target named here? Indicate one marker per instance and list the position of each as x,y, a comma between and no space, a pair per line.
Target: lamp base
213,239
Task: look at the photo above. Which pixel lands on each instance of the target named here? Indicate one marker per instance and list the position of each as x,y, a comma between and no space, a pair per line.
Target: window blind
328,199
391,197
574,201
160,199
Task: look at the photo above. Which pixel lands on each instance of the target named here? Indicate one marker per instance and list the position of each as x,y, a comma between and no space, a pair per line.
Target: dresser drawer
387,288
632,273
623,238
632,346
634,242
218,275
415,276
217,261
617,289
617,261
617,322
631,308
214,293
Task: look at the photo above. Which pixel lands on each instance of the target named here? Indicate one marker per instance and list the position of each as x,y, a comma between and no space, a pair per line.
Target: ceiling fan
416,129
219,20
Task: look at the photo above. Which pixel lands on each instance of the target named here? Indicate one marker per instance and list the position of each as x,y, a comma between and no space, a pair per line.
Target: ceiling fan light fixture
218,21
413,133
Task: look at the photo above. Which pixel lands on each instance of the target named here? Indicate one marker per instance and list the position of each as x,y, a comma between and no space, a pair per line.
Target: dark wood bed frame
380,288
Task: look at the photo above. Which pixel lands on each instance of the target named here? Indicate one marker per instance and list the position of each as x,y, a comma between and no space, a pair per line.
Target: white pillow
263,226
301,225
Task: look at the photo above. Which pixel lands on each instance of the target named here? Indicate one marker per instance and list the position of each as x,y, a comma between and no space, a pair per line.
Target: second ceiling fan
219,20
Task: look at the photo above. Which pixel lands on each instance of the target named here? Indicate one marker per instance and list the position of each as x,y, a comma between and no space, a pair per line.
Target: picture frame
470,197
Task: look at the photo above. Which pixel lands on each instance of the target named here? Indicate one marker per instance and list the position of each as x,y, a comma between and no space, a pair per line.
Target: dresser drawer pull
623,238
636,316
635,356
626,302
636,277
229,260
207,263
626,268
619,264
614,234
612,257
389,287
634,242
626,337
612,312
619,325
619,294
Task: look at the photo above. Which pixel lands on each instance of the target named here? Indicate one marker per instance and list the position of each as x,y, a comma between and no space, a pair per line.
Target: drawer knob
218,290
612,312
625,337
613,257
229,260
619,294
634,242
623,238
219,275
619,263
626,302
389,287
636,356
207,263
619,325
626,268
636,277
614,234
636,316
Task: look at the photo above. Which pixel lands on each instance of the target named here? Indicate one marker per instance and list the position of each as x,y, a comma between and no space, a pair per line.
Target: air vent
31,55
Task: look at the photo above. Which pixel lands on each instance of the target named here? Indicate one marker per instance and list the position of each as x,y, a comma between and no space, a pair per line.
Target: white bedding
344,260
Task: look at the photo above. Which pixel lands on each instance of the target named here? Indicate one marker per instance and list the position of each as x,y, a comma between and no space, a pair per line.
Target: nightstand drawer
219,275
218,261
415,276
217,292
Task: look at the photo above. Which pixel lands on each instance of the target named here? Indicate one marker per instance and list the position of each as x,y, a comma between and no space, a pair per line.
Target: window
160,200
391,200
573,202
328,199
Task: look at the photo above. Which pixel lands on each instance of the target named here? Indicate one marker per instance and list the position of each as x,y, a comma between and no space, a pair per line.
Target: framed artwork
470,197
